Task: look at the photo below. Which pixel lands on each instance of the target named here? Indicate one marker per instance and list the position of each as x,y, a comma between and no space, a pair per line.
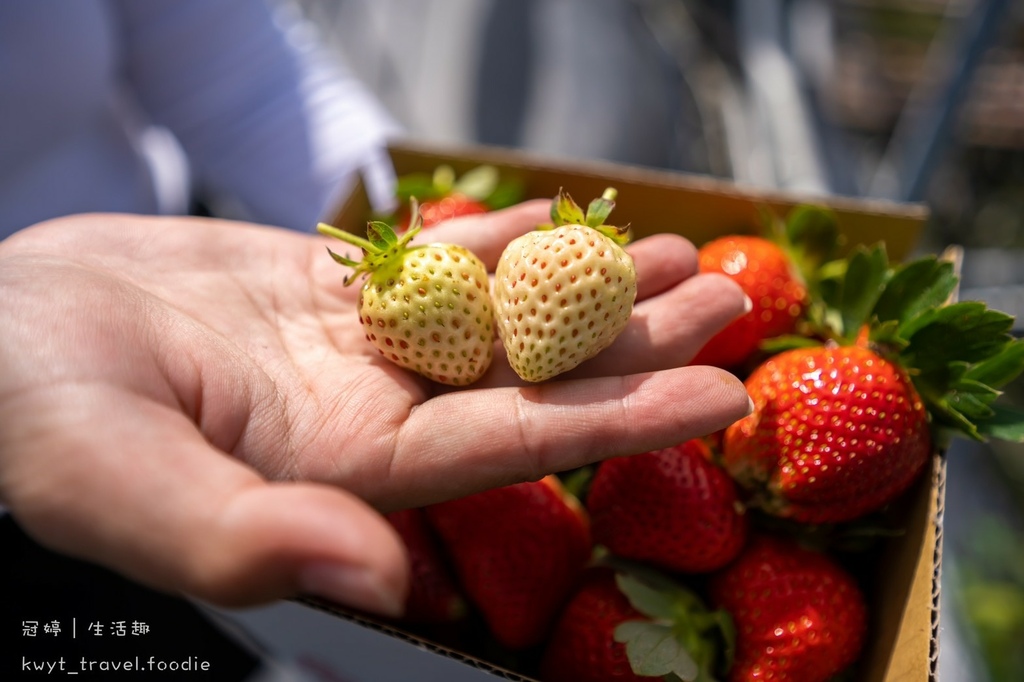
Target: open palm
193,403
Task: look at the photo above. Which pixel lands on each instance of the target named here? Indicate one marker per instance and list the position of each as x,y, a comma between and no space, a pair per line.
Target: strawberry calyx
381,246
680,638
957,354
565,211
809,236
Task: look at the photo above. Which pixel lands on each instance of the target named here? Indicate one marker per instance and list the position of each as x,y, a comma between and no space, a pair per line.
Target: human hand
192,402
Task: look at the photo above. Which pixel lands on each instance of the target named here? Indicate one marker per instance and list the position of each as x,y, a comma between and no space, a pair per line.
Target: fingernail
750,405
353,586
748,304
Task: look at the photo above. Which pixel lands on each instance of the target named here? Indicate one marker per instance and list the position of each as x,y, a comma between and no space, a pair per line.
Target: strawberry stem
348,237
565,211
382,244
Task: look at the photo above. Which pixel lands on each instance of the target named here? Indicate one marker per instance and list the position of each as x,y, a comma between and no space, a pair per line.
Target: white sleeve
270,121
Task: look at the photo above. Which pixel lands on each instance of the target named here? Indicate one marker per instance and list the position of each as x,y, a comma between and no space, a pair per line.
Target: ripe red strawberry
443,196
768,277
799,616
636,625
517,552
841,430
433,594
836,432
582,646
449,207
672,508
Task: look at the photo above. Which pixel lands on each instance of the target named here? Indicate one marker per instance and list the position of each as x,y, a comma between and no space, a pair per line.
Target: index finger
513,434
488,234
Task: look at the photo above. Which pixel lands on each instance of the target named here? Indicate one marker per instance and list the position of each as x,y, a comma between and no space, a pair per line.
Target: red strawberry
517,551
841,430
768,277
433,595
672,508
443,196
634,626
799,616
836,432
583,647
452,206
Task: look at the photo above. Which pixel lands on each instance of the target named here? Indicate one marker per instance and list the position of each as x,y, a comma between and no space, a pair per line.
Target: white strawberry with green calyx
426,308
563,292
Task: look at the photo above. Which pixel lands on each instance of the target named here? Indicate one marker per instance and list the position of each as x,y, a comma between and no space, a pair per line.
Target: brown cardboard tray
902,582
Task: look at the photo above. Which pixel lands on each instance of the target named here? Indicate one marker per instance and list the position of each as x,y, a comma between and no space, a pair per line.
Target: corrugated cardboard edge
377,626
652,200
915,651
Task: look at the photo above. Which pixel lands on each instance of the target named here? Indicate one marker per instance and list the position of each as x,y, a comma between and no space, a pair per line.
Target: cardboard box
903,584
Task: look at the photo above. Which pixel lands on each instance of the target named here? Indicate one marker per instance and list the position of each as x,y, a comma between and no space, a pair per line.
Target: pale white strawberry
562,293
426,308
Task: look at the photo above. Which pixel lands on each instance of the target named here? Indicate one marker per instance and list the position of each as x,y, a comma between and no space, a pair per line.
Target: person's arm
271,122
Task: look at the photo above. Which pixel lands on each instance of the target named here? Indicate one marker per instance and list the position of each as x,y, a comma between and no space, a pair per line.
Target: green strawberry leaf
477,184
778,344
887,334
342,260
812,234
419,185
866,274
443,180
565,211
914,288
824,293
600,208
1006,423
381,235
577,481
972,399
727,629
654,651
834,270
507,193
698,636
944,413
649,600
966,332
1002,367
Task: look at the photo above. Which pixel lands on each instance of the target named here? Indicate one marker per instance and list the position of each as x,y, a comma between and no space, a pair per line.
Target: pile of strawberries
693,562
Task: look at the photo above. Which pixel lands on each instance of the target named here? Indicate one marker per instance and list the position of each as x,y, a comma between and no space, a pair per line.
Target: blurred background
909,100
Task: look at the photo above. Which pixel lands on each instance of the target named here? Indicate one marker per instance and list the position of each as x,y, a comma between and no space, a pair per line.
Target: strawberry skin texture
672,508
561,296
836,432
433,594
766,275
517,552
582,647
799,616
436,211
430,311
454,206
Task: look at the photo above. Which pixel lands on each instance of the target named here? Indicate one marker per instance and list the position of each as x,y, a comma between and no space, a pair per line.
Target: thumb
147,496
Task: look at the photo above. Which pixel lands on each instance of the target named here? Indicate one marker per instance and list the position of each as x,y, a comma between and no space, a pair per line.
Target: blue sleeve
269,121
